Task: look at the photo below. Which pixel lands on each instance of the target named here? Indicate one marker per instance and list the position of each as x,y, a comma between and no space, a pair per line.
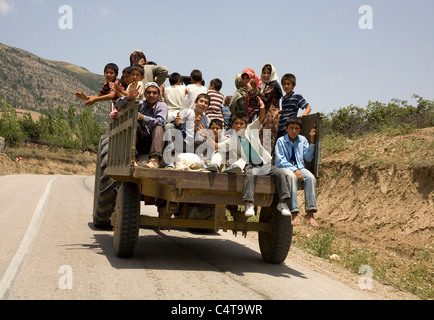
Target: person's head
215,84
196,76
152,93
239,122
288,82
239,84
126,75
111,71
245,78
293,126
227,100
137,57
202,103
216,125
247,75
266,73
137,73
175,78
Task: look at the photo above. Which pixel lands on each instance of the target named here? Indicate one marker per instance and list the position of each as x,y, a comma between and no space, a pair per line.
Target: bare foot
295,219
313,223
152,164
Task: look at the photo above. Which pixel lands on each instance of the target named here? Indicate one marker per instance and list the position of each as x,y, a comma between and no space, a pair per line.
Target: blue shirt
290,107
284,152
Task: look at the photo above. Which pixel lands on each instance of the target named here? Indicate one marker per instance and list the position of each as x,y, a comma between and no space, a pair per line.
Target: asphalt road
50,250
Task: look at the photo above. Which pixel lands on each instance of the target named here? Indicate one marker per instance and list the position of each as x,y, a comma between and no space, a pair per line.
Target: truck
184,199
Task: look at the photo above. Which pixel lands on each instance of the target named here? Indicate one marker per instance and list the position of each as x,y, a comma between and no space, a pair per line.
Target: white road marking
24,248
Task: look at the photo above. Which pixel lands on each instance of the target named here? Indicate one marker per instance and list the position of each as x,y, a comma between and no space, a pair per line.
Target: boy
126,77
193,90
174,95
215,105
251,157
291,102
227,115
193,120
111,71
136,77
291,151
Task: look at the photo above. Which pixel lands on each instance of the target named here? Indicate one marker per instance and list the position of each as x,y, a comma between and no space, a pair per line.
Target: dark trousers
154,145
252,171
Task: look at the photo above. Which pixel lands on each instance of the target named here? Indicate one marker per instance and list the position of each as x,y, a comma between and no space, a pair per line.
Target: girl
271,94
238,101
254,86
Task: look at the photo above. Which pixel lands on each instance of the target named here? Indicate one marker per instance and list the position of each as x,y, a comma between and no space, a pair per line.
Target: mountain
32,83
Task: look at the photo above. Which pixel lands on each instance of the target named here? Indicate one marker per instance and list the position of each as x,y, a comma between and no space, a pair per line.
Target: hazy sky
338,56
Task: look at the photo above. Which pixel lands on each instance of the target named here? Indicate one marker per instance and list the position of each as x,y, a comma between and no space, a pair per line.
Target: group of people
256,131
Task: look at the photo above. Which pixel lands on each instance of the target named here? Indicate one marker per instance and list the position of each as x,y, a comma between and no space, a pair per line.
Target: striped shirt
215,105
106,89
227,117
290,107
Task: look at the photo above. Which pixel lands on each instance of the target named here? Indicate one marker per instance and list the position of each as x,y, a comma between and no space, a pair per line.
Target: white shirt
173,97
192,92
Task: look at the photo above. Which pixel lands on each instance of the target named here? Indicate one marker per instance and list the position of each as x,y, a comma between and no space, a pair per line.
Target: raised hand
134,91
312,136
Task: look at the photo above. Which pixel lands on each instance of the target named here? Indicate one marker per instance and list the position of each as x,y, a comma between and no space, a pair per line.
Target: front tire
126,220
104,196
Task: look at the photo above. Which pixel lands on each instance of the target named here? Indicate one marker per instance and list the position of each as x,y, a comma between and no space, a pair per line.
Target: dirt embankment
380,191
389,208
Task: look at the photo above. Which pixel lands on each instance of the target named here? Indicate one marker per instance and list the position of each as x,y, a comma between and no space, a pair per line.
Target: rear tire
127,216
105,189
275,245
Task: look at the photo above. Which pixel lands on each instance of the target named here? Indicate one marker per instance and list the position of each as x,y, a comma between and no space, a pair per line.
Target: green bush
59,128
395,117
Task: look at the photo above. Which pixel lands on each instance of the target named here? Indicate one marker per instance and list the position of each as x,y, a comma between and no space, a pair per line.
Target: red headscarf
252,75
252,107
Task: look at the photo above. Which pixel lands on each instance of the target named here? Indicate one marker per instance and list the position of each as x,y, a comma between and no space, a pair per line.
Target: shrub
395,117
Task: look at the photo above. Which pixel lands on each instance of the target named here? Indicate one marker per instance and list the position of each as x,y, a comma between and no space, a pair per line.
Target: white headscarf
273,75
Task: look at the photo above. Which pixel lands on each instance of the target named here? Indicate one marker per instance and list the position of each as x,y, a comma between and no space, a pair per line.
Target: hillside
32,83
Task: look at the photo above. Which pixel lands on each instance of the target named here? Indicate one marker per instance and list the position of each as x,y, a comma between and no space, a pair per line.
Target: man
152,117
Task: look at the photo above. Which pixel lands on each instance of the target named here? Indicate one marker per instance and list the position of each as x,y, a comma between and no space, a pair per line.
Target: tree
89,131
9,126
61,134
72,118
30,129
